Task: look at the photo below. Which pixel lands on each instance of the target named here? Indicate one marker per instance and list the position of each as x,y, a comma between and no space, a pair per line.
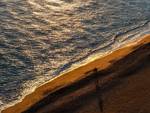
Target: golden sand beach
108,68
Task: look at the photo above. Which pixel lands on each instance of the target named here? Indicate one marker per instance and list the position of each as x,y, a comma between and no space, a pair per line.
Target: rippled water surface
41,38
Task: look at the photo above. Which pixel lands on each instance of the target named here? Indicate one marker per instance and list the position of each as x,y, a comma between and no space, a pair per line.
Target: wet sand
130,94
105,72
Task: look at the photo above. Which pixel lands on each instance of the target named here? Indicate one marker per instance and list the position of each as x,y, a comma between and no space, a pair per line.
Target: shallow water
41,38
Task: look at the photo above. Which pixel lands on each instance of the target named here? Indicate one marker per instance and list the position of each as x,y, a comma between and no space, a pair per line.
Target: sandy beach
103,65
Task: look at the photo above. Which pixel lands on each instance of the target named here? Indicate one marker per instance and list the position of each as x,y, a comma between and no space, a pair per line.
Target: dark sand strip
67,79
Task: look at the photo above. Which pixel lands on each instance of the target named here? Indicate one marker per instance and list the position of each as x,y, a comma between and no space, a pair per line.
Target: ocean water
39,39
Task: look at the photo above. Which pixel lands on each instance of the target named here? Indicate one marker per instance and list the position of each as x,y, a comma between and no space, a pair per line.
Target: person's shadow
98,91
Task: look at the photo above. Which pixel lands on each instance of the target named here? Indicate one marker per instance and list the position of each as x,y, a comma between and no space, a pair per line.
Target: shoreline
74,75
124,77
